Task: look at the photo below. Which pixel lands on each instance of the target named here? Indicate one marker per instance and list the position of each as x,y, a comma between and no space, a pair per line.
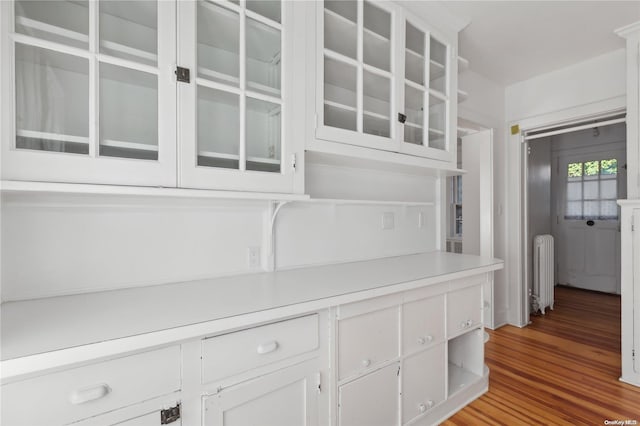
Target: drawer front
422,323
371,400
464,310
423,382
230,354
72,395
366,340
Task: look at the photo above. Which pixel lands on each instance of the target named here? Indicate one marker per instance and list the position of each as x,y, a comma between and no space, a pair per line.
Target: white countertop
41,326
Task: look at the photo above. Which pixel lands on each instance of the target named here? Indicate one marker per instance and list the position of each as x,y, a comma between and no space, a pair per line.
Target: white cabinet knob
430,403
267,347
463,324
91,393
429,338
366,362
422,340
469,323
422,408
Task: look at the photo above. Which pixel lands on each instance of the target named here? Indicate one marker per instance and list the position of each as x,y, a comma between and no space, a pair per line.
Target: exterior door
587,227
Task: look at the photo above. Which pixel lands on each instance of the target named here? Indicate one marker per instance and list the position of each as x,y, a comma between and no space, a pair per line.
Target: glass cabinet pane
218,128
263,135
218,44
414,55
52,100
414,110
340,94
263,58
64,22
437,122
340,27
438,66
267,8
376,37
376,119
129,30
128,113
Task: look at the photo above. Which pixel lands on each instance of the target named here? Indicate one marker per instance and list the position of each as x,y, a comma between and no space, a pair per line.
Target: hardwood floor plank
563,369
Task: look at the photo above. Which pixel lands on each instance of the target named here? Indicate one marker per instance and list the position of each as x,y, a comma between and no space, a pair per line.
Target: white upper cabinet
384,80
235,112
88,92
97,97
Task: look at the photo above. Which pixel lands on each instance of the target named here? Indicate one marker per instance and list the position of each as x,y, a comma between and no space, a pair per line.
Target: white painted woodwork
230,354
477,205
150,419
122,85
286,397
422,324
358,59
465,356
367,340
89,390
464,310
588,256
630,290
424,377
370,400
37,326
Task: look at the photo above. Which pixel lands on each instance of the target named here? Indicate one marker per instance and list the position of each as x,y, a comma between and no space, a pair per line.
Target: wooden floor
562,369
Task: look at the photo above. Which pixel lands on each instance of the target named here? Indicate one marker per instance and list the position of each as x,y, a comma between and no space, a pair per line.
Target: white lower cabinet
371,400
288,397
423,382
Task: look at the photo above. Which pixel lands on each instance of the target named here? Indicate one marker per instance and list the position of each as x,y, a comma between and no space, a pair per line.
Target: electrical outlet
421,220
253,257
388,219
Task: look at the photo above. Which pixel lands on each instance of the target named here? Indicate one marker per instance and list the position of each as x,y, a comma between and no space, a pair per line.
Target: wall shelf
370,202
9,186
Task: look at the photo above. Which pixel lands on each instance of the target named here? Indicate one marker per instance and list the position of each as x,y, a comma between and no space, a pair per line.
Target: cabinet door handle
366,362
422,408
265,348
91,393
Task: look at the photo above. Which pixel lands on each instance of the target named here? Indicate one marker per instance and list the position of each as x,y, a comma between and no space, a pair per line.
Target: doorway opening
573,176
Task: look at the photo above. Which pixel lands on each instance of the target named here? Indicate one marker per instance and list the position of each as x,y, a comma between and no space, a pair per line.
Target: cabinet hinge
315,121
170,415
633,354
319,382
293,162
633,225
183,75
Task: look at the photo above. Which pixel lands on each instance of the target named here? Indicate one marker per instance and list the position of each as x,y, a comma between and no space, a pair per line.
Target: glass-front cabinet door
355,81
233,113
90,95
426,130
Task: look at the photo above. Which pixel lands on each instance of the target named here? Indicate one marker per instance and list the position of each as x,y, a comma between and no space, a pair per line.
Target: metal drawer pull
265,348
91,393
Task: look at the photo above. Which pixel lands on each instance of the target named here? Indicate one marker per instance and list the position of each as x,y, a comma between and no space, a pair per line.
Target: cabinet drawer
422,323
371,400
230,354
464,310
366,340
423,382
83,392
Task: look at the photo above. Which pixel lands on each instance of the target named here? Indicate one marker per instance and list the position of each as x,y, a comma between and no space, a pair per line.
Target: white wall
61,244
485,106
582,89
539,192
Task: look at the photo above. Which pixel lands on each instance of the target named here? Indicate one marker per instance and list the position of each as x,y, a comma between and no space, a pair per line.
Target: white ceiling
511,41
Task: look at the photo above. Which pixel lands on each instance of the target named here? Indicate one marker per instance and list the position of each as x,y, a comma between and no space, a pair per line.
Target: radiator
543,267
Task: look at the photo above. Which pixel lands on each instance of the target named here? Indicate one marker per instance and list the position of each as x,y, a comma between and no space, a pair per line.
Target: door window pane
64,22
263,135
218,128
267,8
340,28
52,100
263,58
376,37
128,113
377,105
129,30
340,89
218,44
592,190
